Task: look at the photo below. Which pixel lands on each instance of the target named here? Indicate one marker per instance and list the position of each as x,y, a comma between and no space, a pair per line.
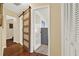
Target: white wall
21,30
15,32
17,26
37,30
9,32
43,12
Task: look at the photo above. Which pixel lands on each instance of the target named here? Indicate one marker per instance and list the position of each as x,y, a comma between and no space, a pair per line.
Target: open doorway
41,31
10,30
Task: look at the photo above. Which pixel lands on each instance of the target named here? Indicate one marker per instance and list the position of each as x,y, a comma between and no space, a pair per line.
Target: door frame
62,29
32,37
63,25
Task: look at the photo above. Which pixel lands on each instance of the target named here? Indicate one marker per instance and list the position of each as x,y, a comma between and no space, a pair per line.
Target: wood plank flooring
31,54
24,53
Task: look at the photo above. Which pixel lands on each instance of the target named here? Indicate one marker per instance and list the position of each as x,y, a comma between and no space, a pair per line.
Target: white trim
49,30
32,36
65,16
62,29
21,29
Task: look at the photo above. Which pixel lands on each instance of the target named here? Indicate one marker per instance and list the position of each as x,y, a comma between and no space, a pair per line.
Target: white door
37,31
66,31
71,30
75,25
77,29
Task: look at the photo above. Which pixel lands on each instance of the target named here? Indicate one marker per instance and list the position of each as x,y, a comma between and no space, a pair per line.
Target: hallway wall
17,21
9,32
10,13
55,42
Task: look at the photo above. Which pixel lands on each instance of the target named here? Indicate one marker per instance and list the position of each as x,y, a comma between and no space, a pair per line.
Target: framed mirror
11,26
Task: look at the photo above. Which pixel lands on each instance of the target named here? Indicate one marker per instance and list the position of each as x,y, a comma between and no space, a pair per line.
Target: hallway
18,27
12,50
30,26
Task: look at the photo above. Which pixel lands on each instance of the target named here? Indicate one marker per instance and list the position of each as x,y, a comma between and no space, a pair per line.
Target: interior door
76,21
26,28
37,30
71,30
69,41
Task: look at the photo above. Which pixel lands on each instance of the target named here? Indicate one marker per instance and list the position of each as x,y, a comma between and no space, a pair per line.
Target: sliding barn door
26,28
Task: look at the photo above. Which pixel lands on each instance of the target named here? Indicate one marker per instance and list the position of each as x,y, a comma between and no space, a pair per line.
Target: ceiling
18,8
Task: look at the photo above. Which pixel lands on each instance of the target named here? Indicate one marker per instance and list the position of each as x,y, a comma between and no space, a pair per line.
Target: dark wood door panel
27,33
26,37
26,28
26,16
26,23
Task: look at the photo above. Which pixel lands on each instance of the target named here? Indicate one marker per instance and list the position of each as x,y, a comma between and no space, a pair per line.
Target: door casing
32,37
